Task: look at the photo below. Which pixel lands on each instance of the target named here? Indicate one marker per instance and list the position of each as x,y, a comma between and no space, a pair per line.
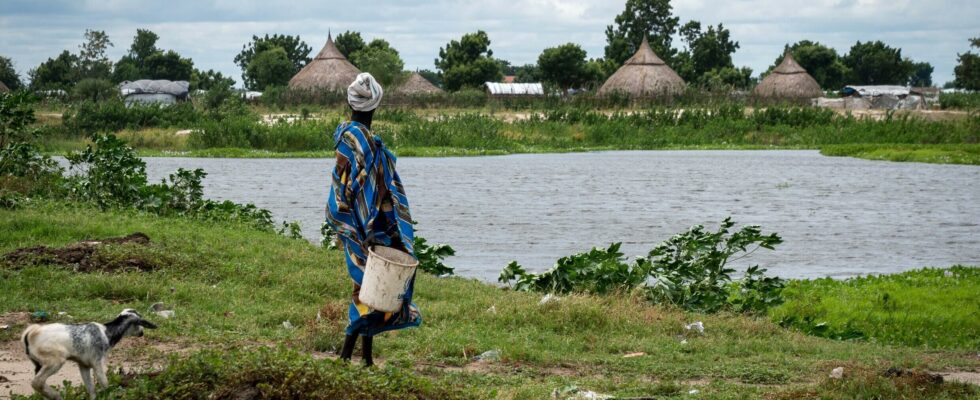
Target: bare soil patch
83,256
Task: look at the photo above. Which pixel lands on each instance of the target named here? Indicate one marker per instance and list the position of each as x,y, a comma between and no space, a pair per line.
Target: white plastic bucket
386,277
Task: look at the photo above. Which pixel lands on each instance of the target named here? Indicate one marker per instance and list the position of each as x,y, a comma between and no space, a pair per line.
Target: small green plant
291,230
689,270
430,257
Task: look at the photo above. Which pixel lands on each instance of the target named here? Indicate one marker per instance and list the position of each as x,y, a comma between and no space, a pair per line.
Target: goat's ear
147,324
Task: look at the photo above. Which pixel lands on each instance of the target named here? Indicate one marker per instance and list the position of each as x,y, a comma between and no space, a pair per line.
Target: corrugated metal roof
515,89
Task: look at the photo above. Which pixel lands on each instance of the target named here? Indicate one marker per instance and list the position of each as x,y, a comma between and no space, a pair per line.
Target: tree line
703,59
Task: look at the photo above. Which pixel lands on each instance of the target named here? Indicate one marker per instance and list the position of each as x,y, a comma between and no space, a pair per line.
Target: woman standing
367,207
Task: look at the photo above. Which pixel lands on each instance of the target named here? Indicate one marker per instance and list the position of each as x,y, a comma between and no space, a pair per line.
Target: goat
49,346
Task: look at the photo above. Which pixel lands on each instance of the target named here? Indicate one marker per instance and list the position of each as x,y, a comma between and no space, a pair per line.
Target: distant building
788,81
644,75
497,89
417,85
329,71
145,91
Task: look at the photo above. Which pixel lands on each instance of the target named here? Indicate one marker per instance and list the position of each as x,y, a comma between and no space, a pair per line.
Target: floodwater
838,216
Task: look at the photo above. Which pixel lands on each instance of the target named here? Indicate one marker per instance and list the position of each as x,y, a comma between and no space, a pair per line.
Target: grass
232,287
936,308
936,153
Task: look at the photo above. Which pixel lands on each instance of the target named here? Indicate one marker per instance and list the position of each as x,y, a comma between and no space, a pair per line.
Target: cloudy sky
213,31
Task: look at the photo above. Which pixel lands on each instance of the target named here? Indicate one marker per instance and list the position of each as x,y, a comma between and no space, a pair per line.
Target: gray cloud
212,32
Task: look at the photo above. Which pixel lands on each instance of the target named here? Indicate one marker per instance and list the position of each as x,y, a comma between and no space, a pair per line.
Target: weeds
689,270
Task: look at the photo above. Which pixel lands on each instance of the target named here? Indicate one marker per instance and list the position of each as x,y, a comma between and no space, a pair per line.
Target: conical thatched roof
4,88
330,70
644,75
417,84
788,81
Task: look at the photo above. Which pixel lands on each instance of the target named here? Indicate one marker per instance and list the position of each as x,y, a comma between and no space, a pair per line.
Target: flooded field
838,216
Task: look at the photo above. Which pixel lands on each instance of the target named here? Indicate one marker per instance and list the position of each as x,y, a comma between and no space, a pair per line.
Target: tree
269,68
652,19
707,51
821,62
564,66
921,74
727,77
146,61
8,74
59,73
297,52
528,73
144,45
93,61
875,63
381,60
468,62
169,65
205,80
967,72
349,43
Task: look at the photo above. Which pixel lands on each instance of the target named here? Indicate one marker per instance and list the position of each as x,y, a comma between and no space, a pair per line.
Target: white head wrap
364,94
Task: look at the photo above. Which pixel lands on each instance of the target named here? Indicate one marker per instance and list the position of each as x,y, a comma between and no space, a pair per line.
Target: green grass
937,308
925,153
232,287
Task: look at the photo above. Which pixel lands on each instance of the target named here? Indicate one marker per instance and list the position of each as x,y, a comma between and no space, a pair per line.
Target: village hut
330,70
788,81
417,85
146,91
644,75
4,88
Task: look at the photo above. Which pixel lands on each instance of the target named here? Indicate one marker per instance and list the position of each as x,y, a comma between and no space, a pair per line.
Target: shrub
23,168
430,257
90,117
95,90
112,175
688,270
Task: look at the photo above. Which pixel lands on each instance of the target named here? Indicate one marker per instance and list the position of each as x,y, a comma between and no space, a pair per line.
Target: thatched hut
788,81
644,75
330,70
4,88
417,85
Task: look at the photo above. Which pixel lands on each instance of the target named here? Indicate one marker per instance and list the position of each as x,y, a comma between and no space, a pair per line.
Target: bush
112,175
688,270
960,101
112,116
95,90
23,168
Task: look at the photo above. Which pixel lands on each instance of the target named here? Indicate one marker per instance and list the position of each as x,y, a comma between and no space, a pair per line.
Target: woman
367,207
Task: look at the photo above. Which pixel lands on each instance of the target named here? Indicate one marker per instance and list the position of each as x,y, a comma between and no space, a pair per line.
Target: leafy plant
430,257
291,230
689,270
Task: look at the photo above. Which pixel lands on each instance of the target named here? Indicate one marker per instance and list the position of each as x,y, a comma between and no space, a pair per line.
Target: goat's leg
39,383
87,379
100,367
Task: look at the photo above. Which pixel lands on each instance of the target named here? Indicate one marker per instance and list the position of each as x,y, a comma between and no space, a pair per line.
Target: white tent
515,89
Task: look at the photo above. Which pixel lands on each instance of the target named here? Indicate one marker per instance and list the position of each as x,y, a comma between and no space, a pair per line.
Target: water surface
837,216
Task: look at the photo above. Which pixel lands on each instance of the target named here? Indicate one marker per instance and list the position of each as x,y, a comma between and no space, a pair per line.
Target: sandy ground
16,370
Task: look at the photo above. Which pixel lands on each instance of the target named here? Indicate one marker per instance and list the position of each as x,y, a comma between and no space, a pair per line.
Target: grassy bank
240,132
233,287
925,153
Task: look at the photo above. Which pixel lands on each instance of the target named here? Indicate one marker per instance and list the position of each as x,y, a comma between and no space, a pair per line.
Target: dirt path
132,354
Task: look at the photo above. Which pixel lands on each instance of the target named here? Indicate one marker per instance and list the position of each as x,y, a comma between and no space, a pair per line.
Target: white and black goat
50,346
